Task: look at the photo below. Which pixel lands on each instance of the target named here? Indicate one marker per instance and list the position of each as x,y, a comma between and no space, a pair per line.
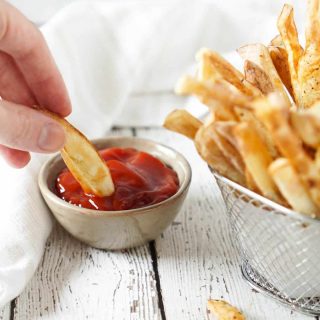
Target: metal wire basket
279,248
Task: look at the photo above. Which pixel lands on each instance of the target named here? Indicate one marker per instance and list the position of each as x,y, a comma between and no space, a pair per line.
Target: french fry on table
223,310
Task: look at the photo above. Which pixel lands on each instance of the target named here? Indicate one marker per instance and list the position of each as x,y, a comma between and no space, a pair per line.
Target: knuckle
24,129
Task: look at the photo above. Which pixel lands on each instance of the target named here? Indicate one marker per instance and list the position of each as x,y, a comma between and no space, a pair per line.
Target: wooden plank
196,256
5,312
75,281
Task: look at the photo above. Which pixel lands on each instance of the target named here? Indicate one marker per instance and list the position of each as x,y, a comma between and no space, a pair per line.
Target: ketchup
139,178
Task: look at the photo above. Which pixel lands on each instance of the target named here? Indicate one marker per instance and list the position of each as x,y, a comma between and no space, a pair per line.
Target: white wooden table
171,278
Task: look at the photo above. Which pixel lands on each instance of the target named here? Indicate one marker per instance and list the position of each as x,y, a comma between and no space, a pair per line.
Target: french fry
220,97
259,54
226,148
246,115
291,187
83,160
214,67
257,77
225,129
307,125
250,183
277,41
309,71
273,111
223,310
279,58
183,122
210,152
289,36
257,159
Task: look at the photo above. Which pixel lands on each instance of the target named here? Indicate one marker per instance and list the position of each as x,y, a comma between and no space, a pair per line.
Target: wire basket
279,248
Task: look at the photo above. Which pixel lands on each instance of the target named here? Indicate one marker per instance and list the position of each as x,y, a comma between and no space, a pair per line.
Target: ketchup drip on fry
139,178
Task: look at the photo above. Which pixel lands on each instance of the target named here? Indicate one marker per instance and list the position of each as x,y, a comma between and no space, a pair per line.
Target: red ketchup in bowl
139,178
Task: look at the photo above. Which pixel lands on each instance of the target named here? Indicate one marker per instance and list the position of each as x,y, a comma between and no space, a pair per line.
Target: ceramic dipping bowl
115,230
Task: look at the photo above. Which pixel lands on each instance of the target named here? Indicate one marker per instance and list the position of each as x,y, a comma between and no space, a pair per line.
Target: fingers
26,129
24,42
13,86
16,158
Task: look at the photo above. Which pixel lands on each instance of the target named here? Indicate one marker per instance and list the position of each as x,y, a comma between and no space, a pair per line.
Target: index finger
24,42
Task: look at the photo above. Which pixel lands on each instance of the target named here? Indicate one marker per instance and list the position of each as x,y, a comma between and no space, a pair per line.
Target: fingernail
51,137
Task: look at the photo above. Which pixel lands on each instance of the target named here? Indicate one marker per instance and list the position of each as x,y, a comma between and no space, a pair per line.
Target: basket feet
306,305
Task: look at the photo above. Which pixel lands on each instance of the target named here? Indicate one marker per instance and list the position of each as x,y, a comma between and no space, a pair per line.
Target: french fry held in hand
83,160
223,310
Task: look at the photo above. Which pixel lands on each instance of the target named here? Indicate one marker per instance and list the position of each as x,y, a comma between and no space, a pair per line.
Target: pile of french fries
263,131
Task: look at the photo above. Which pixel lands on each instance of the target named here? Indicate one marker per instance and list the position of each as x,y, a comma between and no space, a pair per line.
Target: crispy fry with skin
183,122
279,58
307,125
277,41
226,148
257,159
225,129
291,187
210,152
273,111
214,67
289,36
259,54
83,160
218,96
257,77
309,70
246,115
223,310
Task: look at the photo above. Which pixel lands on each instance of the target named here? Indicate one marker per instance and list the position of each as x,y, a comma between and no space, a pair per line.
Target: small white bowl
116,230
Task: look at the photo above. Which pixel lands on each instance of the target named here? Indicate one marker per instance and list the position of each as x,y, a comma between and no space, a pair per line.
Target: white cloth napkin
111,54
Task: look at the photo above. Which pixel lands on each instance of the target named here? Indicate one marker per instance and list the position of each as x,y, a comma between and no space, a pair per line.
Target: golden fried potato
279,58
210,152
225,129
257,77
246,115
291,187
307,125
222,310
226,148
183,122
289,36
259,54
257,159
277,41
219,96
83,160
309,71
274,112
214,67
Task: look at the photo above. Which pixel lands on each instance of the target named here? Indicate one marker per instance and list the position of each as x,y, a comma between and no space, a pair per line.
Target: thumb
26,129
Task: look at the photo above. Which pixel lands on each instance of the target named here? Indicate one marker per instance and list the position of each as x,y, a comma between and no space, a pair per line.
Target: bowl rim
183,186
276,206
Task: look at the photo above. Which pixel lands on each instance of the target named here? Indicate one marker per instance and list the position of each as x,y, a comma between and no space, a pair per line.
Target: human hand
28,76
